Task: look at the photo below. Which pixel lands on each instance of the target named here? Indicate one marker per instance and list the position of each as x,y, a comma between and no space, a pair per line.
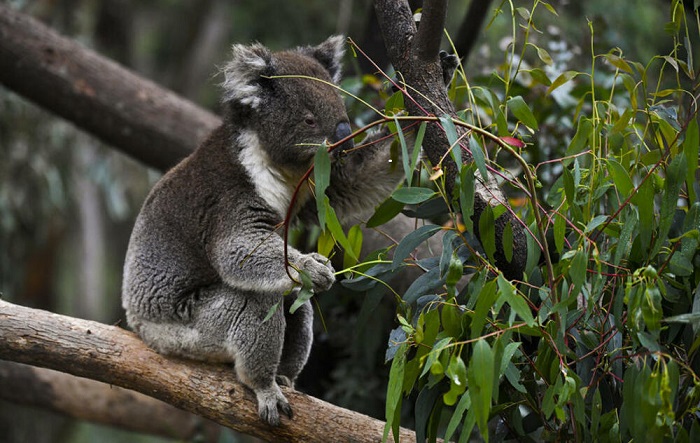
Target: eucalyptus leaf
412,195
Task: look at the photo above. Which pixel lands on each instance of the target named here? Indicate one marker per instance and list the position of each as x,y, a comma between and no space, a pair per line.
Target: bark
112,355
98,402
144,120
414,53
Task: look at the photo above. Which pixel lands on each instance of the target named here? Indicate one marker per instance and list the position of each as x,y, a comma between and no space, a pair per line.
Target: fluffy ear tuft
329,54
242,74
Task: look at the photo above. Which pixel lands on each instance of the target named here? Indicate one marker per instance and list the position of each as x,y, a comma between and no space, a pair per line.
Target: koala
205,262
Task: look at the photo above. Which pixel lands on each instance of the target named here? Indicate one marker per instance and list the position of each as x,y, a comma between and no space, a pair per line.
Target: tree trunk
414,53
112,355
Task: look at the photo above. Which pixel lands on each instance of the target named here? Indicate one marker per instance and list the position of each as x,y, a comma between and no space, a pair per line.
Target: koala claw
268,402
283,380
320,270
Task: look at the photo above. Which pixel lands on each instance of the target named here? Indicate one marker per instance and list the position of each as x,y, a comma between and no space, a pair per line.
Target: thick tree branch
427,95
468,33
144,120
98,402
111,355
429,35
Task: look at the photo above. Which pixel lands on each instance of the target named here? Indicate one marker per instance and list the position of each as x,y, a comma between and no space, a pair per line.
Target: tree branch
111,355
468,33
144,120
428,95
429,35
98,402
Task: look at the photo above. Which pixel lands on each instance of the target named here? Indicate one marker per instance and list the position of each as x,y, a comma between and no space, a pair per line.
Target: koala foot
283,380
320,270
268,402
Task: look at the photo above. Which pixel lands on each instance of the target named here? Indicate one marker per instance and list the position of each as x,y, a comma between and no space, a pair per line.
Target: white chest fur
269,181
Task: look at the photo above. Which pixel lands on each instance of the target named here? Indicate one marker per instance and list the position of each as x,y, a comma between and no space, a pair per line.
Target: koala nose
342,130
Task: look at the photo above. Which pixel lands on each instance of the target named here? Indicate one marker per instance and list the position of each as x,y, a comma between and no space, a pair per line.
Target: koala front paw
320,270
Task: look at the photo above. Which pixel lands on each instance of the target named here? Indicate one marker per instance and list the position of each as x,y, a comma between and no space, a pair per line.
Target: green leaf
540,76
417,145
452,138
426,284
393,393
533,251
563,78
559,232
305,293
385,212
479,158
434,354
462,406
596,408
580,139
272,311
487,232
412,241
325,243
355,243
675,176
322,177
404,152
508,353
412,195
457,374
516,302
454,274
692,318
513,376
507,241
621,178
570,192
578,268
544,56
691,145
468,426
480,377
451,319
619,63
337,231
522,112
624,243
394,104
486,299
466,195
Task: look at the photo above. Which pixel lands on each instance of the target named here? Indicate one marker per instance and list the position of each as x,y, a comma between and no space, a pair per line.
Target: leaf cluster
599,341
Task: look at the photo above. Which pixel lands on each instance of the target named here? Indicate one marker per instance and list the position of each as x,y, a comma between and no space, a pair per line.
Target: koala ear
329,54
242,74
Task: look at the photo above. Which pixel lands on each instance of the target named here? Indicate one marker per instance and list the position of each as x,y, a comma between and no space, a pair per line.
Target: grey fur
205,260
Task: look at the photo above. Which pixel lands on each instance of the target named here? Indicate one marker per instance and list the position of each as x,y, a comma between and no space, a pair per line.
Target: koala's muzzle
342,130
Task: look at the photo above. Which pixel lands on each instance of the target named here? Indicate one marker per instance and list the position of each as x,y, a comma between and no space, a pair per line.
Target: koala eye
310,120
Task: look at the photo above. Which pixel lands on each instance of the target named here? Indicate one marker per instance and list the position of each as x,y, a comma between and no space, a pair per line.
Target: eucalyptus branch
426,42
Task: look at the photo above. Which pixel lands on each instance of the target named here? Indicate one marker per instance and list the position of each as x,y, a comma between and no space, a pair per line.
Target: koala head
287,99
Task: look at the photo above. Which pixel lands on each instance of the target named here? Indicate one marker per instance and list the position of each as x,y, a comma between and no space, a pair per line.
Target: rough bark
144,120
112,355
98,402
414,53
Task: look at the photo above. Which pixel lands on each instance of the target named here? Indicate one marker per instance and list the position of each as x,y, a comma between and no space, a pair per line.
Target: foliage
599,342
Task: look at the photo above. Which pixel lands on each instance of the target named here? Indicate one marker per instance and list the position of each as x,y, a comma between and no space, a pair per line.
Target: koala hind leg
227,326
298,337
